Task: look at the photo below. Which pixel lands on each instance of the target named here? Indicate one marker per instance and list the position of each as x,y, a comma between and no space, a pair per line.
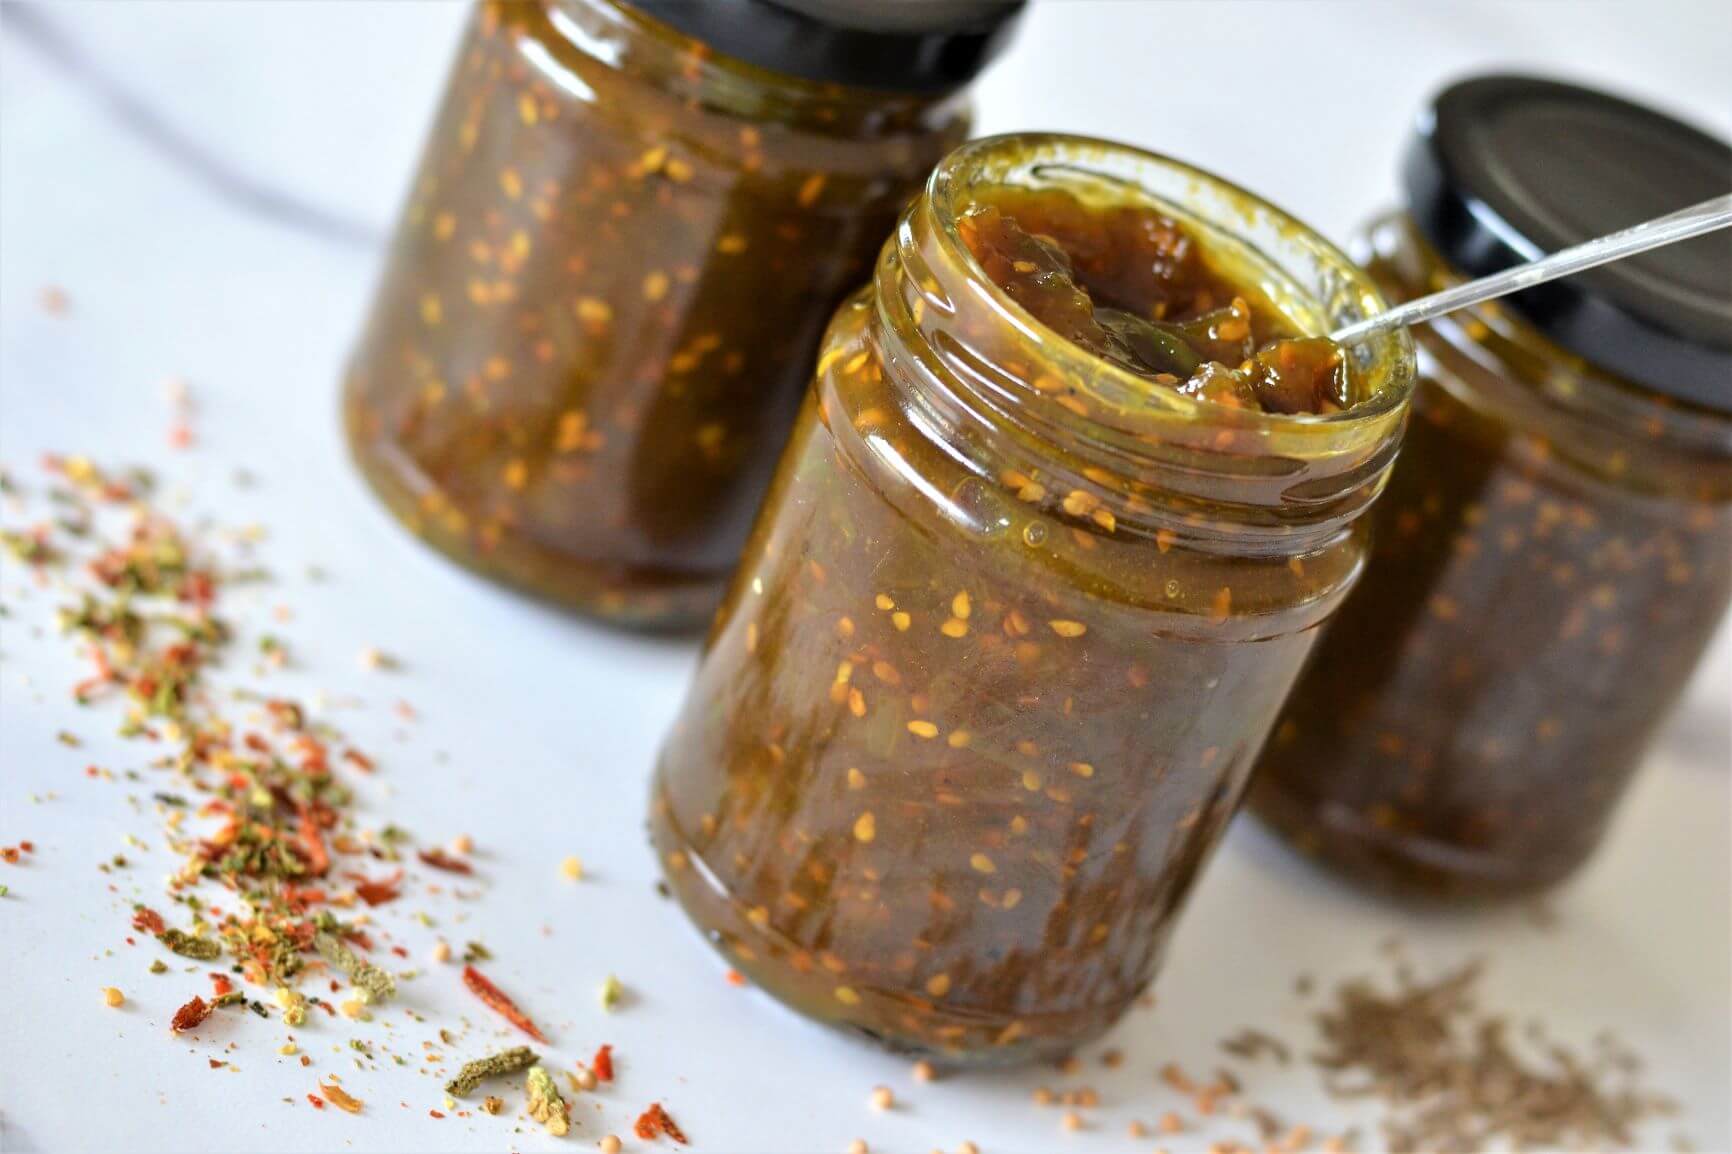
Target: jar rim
1387,360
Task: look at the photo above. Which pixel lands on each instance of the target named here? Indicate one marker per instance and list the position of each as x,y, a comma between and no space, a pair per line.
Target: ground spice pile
1452,1081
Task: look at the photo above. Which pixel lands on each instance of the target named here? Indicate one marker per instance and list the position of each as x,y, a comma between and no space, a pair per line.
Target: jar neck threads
979,373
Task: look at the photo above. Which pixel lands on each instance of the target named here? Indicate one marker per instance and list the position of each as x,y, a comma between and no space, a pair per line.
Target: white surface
550,725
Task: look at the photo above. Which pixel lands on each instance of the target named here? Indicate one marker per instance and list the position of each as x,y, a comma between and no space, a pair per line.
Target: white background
209,183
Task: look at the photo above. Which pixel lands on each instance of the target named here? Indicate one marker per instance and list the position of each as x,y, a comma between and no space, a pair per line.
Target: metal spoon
1713,213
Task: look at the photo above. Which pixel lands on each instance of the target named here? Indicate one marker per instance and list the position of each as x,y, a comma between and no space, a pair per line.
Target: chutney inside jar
1013,622
1135,288
1553,554
600,309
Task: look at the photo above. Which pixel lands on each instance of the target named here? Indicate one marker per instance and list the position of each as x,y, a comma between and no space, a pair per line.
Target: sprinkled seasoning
986,814
258,812
497,1065
1451,1079
496,1000
595,328
340,1098
376,984
545,1104
654,1122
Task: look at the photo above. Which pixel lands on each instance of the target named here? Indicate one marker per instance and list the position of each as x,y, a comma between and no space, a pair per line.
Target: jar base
617,595
893,1019
1411,869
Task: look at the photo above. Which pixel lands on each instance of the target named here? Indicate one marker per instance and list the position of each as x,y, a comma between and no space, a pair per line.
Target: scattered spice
611,993
545,1104
492,1066
603,1064
1452,1081
654,1122
188,946
190,1016
113,997
340,1098
497,1001
438,859
375,984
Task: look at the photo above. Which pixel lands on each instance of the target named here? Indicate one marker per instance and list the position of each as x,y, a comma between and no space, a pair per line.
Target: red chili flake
497,1001
216,1065
440,860
27,846
735,978
359,760
318,1102
654,1122
147,921
9,854
312,845
603,1064
377,893
434,1114
190,1016
220,984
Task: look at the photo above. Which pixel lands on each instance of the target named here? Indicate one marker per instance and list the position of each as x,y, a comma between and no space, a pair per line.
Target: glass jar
1554,550
612,271
1008,634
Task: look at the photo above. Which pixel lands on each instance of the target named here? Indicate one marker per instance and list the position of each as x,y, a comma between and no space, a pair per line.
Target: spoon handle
1710,214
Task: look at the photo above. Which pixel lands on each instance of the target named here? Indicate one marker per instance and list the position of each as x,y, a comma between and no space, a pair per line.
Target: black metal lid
899,45
1505,169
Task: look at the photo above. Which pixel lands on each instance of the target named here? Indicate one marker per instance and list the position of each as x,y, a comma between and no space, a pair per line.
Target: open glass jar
614,266
1554,551
1009,632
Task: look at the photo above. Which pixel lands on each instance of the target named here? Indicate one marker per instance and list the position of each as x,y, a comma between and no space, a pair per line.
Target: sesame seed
924,1071
571,869
982,864
923,729
865,827
113,997
1068,628
882,1098
847,996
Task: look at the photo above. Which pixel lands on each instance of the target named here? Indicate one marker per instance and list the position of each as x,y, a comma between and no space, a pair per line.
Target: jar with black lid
630,224
1016,615
1554,551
